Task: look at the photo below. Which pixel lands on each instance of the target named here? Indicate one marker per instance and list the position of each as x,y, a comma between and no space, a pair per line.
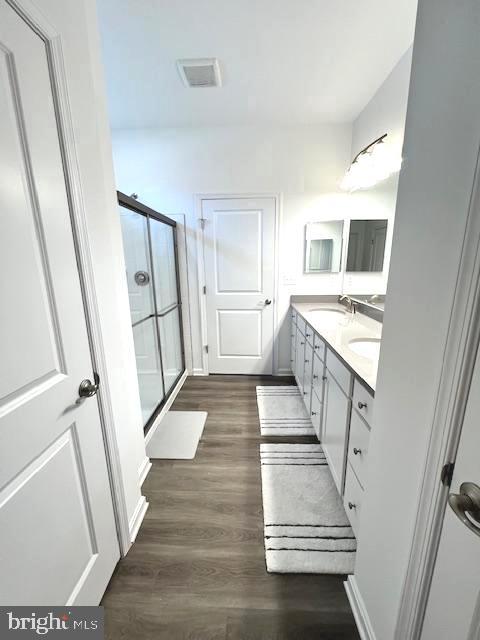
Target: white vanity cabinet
340,406
336,416
357,455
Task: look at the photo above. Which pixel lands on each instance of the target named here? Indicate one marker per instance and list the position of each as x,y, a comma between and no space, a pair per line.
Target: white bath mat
306,528
282,412
177,436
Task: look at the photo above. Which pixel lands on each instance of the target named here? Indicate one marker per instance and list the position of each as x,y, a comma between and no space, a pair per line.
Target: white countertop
339,333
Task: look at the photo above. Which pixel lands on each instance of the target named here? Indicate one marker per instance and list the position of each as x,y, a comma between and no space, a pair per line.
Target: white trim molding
30,13
137,518
198,198
459,360
359,610
143,470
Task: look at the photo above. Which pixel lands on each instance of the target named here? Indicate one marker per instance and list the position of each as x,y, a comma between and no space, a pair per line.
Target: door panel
228,321
335,423
239,270
54,483
453,609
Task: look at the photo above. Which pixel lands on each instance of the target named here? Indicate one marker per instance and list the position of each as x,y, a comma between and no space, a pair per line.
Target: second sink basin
366,347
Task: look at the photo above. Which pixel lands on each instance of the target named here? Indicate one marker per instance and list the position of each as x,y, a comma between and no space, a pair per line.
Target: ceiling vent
199,72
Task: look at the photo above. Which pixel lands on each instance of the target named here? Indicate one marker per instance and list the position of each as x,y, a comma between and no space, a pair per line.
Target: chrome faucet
351,304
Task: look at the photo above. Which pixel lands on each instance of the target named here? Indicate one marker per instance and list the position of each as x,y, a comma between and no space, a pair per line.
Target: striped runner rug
282,412
306,529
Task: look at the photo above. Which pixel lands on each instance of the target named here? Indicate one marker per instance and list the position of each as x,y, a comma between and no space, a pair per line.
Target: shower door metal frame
148,213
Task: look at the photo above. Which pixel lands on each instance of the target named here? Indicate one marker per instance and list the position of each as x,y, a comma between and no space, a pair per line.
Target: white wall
77,21
385,113
441,146
304,164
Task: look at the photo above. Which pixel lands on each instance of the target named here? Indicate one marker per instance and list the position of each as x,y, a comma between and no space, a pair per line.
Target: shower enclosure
150,246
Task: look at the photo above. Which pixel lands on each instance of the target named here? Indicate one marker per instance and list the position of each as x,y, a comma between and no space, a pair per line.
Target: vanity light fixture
372,164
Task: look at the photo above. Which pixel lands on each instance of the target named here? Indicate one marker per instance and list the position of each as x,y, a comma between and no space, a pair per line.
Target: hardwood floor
197,569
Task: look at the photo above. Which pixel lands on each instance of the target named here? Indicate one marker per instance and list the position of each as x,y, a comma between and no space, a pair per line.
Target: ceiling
282,61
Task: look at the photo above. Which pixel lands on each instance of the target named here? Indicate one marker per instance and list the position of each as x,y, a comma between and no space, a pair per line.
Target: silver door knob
466,505
267,302
87,388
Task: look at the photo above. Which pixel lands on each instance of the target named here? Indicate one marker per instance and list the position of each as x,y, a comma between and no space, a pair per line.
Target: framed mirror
323,246
366,245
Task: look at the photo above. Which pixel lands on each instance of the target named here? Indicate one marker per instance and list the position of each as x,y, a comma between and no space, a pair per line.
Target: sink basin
327,311
366,347
329,318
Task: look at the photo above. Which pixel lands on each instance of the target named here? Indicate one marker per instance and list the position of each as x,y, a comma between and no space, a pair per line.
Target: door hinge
206,348
447,474
204,290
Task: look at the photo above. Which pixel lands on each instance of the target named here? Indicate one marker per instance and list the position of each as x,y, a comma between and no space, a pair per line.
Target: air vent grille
199,73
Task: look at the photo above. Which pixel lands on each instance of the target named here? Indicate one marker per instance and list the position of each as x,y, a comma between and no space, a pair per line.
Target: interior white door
453,609
239,250
58,537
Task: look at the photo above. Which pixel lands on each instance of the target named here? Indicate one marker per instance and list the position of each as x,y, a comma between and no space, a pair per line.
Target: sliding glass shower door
149,241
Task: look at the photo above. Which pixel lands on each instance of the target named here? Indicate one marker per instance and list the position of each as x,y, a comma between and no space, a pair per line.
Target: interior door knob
466,505
267,302
87,388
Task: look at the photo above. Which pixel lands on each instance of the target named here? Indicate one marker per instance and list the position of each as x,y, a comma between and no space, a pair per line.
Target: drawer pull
351,505
362,405
308,335
317,346
302,343
304,393
307,361
314,413
324,378
315,377
356,451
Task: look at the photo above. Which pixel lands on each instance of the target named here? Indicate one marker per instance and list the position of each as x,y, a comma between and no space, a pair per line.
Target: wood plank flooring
197,570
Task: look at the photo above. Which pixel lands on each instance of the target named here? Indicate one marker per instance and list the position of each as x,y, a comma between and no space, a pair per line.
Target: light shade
372,165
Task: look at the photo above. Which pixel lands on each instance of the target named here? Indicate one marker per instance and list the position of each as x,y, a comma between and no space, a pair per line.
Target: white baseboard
360,614
284,372
166,407
143,470
198,371
137,518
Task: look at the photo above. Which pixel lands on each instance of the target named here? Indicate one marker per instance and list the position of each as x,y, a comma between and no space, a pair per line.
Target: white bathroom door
453,609
239,256
58,542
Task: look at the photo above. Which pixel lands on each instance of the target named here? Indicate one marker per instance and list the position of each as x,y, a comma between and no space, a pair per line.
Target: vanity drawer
309,334
316,413
320,347
301,324
317,378
352,499
358,447
362,401
340,372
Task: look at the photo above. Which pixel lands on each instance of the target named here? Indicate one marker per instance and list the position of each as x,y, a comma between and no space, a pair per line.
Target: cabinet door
299,359
293,336
307,375
316,414
336,417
